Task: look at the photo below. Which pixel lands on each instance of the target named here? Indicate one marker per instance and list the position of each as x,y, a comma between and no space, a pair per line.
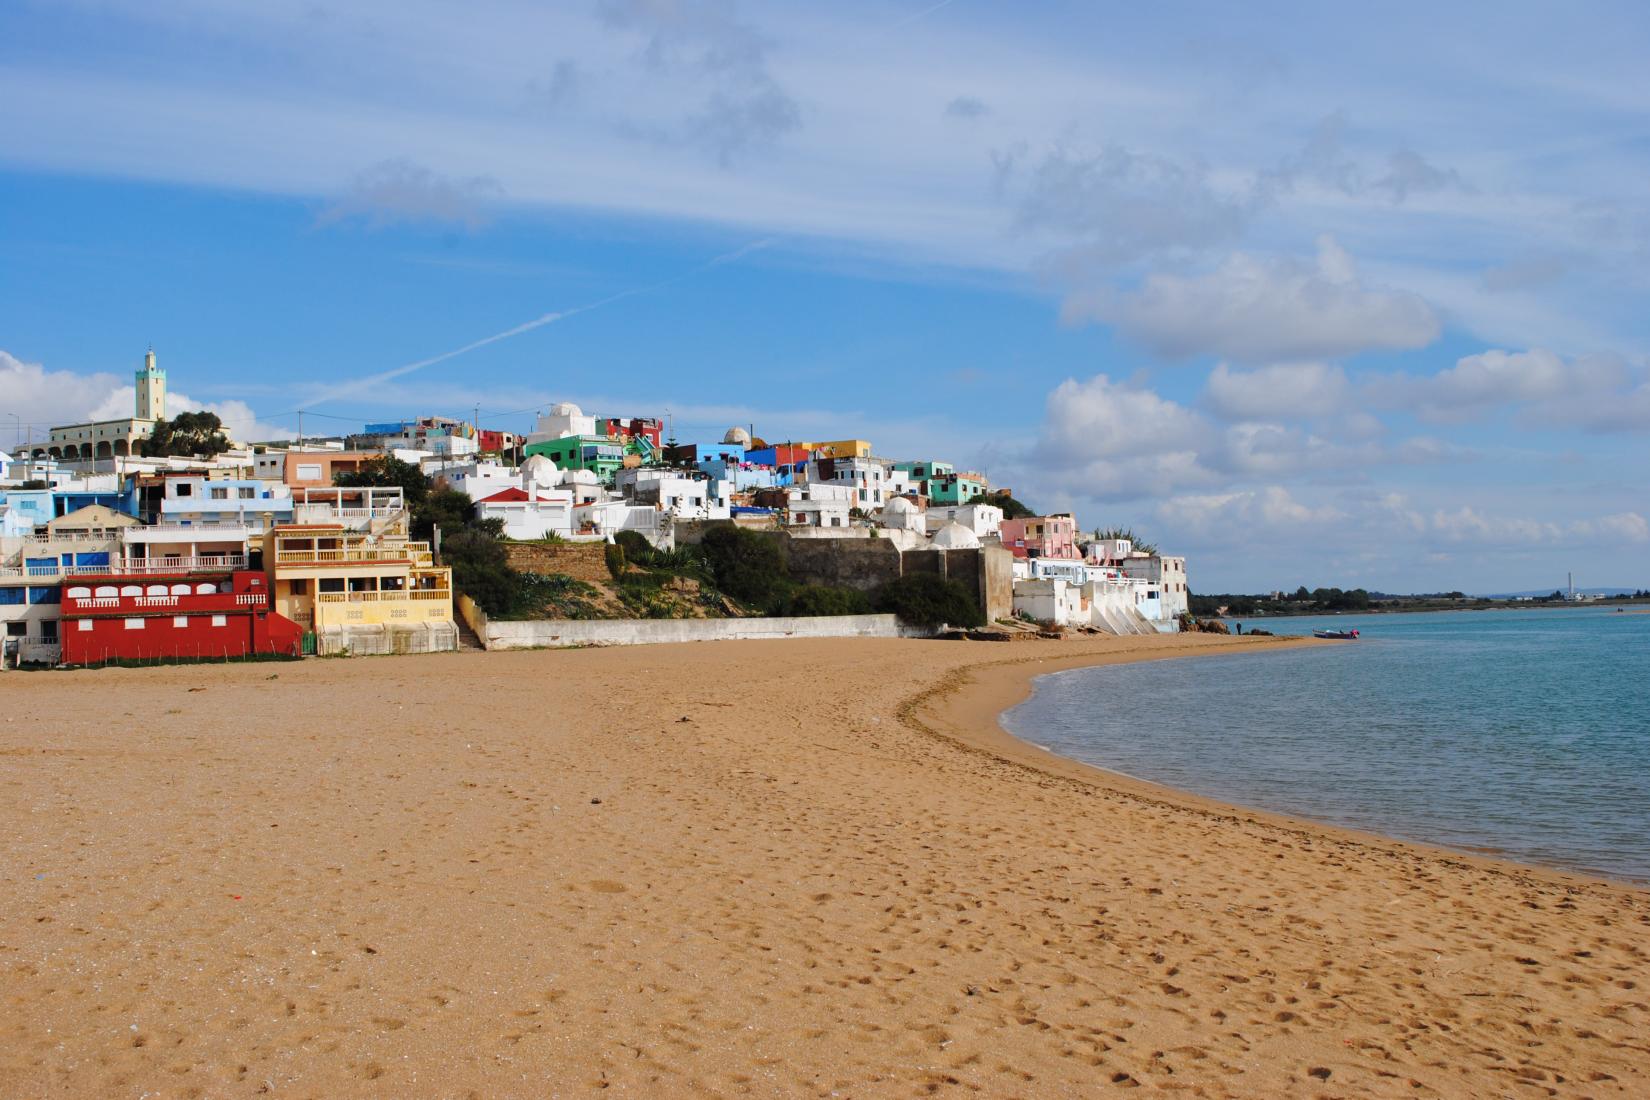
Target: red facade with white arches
194,615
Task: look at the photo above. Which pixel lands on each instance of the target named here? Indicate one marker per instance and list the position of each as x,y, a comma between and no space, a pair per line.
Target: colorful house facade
1041,536
118,617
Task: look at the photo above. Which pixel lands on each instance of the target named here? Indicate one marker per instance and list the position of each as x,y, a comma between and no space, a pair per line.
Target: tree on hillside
1012,509
447,509
385,472
188,433
1103,534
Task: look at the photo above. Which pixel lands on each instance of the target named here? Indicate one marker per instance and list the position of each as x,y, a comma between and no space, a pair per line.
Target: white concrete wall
568,632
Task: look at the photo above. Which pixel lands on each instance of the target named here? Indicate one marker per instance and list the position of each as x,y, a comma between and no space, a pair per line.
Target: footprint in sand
607,886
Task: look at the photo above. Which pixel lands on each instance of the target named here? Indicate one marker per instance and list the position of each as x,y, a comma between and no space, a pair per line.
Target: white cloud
700,46
44,399
1252,309
1109,440
1600,392
1468,525
398,190
1119,205
1256,512
1286,390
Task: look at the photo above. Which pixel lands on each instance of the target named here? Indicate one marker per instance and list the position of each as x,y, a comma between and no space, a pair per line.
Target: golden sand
772,868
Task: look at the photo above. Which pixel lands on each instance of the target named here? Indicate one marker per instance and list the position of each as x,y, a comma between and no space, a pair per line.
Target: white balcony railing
192,532
131,567
386,596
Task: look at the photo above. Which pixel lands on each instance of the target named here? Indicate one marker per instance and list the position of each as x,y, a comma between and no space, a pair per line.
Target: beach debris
595,802
193,690
684,718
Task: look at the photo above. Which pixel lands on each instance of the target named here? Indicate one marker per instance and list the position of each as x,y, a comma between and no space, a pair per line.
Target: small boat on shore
1337,635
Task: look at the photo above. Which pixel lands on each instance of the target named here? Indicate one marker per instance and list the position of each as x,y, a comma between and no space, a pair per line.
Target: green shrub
822,600
930,600
635,546
747,565
614,555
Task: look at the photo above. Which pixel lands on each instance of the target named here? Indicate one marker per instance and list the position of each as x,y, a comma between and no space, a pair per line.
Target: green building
952,488
596,453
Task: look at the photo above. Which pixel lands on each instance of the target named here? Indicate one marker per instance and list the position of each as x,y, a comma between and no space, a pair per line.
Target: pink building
1041,536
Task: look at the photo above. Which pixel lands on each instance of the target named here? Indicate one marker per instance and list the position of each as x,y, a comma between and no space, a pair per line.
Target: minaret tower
151,390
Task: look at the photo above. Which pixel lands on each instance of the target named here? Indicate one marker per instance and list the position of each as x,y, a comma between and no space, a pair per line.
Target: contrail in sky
362,384
924,13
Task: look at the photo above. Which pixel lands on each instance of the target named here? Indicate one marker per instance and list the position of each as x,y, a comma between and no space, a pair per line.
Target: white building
866,477
985,520
530,513
479,479
820,504
1165,575
563,419
681,494
900,514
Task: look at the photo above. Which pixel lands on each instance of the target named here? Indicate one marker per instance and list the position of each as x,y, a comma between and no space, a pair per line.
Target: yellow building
361,592
842,448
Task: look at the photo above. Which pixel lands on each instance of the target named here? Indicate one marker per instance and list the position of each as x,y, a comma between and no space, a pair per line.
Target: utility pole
300,429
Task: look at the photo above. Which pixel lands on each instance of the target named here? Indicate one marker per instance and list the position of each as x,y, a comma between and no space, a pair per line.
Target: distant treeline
1298,602
1304,602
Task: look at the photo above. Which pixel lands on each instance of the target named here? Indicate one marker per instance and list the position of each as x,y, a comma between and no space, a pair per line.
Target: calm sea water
1523,734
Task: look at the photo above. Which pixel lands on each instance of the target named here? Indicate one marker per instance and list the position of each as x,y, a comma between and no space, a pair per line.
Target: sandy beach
807,868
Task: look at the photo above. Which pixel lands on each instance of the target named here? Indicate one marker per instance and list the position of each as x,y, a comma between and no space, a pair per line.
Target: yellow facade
328,576
844,448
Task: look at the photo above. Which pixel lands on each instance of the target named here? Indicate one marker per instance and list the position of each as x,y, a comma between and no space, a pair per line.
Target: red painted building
491,442
209,615
636,427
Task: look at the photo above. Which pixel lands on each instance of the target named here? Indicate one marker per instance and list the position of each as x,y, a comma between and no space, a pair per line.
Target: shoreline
958,705
789,867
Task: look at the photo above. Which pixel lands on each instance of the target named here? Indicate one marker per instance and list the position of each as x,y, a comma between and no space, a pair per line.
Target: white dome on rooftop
898,506
541,471
954,536
565,408
582,477
737,436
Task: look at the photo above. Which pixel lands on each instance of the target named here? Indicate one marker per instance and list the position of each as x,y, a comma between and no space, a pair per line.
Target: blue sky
1316,296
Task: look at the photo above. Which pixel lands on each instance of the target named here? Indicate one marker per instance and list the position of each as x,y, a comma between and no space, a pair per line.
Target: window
220,494
48,630
309,471
220,620
83,625
131,624
180,621
16,630
246,493
184,489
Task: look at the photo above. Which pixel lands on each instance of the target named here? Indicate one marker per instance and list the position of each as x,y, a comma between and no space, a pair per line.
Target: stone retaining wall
582,561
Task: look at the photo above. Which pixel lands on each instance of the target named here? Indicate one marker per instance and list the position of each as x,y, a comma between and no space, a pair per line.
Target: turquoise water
1521,734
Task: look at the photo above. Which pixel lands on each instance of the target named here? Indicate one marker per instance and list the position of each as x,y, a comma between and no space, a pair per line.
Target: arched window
157,590
79,593
205,588
131,590
181,590
106,590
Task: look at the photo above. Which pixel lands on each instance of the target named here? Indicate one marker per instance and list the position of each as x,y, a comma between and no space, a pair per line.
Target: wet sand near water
805,867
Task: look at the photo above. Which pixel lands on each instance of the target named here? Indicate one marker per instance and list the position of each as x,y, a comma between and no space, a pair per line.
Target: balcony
218,602
386,596
192,532
136,567
416,552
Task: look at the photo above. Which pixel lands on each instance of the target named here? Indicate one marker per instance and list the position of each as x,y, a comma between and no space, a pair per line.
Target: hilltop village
153,539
